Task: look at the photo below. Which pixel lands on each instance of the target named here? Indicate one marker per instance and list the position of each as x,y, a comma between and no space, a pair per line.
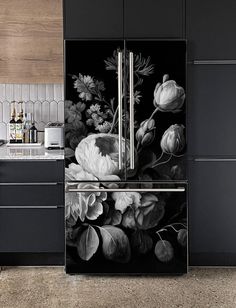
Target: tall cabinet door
212,212
156,109
212,110
93,19
152,18
95,148
211,29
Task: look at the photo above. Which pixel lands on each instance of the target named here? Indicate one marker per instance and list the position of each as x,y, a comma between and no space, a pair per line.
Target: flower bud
168,97
148,139
145,134
173,140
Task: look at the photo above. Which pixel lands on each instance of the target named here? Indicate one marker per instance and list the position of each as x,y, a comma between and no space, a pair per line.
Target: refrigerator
125,157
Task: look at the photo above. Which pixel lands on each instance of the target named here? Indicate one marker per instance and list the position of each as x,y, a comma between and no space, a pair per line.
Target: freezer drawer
211,113
31,195
31,171
31,230
131,229
212,211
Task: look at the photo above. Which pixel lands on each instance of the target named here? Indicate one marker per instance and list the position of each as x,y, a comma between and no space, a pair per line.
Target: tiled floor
51,287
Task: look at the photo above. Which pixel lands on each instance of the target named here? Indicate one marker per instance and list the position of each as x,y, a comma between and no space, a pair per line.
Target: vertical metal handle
131,113
120,108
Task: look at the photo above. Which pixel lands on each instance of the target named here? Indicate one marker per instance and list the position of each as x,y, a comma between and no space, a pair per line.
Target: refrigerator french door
126,206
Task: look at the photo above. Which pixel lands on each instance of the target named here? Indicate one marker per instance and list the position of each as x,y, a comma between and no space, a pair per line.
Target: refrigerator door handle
120,94
179,189
131,102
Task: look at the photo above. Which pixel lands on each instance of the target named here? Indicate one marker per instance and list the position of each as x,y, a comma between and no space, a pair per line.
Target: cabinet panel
210,29
153,19
31,230
159,109
130,229
20,171
93,19
91,110
211,111
32,195
212,211
23,60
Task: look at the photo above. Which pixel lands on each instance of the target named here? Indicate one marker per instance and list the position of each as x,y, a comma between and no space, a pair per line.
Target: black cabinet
212,109
31,171
32,228
50,194
212,228
211,28
154,18
93,19
118,18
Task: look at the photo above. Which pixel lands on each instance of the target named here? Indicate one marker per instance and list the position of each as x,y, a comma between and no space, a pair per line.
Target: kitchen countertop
29,153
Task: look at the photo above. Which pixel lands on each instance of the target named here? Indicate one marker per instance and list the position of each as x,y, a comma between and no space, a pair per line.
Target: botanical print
92,139
134,228
105,231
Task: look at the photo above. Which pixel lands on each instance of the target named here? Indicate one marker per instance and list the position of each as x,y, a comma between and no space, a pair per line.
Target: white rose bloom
98,155
75,172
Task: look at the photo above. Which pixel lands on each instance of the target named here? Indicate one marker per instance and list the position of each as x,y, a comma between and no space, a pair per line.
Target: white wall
44,101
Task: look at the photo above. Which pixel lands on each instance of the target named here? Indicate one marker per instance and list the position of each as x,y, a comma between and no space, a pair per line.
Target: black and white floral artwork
125,231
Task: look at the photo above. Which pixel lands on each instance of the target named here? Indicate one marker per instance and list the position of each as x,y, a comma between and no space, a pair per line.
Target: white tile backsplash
45,101
9,96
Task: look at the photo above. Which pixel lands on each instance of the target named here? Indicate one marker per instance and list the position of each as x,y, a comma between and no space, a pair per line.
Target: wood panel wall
31,41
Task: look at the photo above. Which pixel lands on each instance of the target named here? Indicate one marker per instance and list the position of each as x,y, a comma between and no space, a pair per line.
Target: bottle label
19,131
12,131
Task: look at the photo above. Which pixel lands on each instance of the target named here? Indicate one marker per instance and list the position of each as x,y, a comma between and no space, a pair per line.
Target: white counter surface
29,153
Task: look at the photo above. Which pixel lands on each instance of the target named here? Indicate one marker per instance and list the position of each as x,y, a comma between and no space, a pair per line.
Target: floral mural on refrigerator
117,231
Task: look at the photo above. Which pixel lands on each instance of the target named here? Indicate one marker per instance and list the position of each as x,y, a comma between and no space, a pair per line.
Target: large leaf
141,242
148,217
88,243
164,251
115,244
